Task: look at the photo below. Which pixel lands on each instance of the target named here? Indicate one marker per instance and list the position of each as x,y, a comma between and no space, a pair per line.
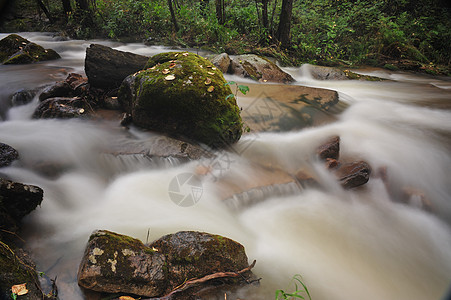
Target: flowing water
346,244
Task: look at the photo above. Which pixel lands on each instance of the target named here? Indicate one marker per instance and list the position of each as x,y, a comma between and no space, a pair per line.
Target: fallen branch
192,282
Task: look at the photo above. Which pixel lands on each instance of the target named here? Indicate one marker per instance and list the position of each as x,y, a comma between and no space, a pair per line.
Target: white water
349,245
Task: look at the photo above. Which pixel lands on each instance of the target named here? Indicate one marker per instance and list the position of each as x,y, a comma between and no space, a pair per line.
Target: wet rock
222,62
106,68
306,179
14,49
353,174
59,89
16,201
330,149
61,108
327,73
23,96
184,95
115,263
7,155
258,68
192,254
73,85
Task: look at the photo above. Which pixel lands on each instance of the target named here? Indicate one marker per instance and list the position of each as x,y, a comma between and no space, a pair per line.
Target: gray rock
327,73
222,62
258,68
106,68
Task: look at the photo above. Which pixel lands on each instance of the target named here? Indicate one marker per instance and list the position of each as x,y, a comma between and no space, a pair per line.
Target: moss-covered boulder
191,254
14,49
183,95
115,263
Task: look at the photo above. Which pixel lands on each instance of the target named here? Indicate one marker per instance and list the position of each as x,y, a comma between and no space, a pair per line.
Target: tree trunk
67,7
174,20
220,12
45,10
283,32
265,20
82,4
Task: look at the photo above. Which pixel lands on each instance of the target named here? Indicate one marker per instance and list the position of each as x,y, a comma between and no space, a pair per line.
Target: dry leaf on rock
165,71
210,89
207,81
170,77
126,298
19,289
210,73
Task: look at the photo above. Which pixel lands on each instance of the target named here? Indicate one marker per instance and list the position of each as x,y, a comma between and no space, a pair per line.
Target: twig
13,233
206,278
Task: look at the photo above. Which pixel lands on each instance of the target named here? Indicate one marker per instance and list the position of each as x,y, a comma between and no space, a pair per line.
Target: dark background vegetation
406,34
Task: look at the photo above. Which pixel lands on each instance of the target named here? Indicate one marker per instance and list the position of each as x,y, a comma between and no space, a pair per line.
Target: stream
347,244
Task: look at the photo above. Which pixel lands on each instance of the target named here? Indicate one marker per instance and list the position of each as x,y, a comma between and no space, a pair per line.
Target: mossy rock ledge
115,263
14,49
183,95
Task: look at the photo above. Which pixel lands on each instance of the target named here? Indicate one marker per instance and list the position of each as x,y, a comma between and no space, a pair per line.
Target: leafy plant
243,89
300,288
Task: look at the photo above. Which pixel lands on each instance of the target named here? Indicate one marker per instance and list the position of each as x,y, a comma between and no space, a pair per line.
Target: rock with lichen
258,68
114,263
14,49
183,95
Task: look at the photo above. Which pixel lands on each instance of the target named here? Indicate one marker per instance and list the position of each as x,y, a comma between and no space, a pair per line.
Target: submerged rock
258,68
115,263
106,68
7,155
353,174
61,108
14,49
330,149
183,95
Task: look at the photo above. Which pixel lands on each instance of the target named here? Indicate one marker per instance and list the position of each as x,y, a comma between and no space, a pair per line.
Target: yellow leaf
19,289
126,298
170,77
210,73
172,65
185,54
165,71
210,89
207,81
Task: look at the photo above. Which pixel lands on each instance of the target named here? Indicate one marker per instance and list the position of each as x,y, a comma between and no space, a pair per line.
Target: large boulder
115,263
14,49
258,68
192,254
222,62
7,155
184,95
106,68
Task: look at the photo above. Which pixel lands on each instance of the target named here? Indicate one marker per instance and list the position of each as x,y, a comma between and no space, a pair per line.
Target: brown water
357,244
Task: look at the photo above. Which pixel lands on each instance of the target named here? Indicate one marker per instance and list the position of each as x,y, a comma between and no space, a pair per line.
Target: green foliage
299,289
243,89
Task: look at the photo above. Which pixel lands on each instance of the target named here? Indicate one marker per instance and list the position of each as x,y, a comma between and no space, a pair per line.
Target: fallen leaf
126,298
154,249
172,65
185,54
210,89
19,289
176,55
213,68
81,110
153,67
170,77
207,81
210,73
165,71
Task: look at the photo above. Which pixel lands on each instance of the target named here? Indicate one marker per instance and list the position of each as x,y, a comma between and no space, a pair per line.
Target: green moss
183,94
391,67
354,76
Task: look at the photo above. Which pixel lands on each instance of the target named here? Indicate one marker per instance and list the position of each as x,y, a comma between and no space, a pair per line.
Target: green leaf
229,83
229,96
243,89
13,296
